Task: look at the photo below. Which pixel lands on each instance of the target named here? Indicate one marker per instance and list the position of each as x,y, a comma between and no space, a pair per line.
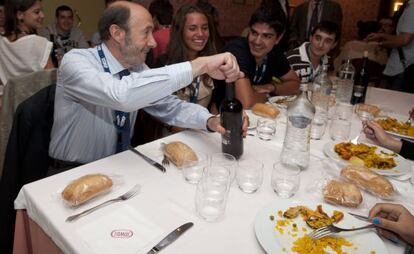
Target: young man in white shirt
307,59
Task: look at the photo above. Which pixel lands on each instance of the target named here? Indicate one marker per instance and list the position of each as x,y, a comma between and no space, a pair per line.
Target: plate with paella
283,227
381,160
396,127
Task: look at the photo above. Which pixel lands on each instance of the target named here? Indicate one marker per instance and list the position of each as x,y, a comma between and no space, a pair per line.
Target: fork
331,229
123,197
165,161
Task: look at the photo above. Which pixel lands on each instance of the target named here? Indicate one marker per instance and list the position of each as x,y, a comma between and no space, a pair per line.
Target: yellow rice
305,245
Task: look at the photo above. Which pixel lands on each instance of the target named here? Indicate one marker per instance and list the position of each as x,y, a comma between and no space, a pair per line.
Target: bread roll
265,110
85,188
341,193
179,153
368,180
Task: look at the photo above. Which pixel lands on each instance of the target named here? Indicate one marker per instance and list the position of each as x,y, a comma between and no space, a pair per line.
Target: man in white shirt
63,34
307,59
91,96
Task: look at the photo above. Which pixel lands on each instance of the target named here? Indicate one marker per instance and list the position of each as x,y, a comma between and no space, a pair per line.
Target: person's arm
290,84
220,66
247,95
393,220
49,64
374,132
84,81
390,40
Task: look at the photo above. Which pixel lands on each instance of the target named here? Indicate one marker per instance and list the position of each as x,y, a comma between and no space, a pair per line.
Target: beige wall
88,10
233,17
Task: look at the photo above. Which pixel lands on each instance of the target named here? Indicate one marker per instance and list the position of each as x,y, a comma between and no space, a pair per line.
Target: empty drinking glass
193,170
285,179
249,175
224,160
211,194
266,128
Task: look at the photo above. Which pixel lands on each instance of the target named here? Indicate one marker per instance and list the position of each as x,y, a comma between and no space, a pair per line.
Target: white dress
25,55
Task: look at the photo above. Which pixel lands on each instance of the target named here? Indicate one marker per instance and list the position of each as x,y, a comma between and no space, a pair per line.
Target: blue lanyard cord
257,78
194,96
121,121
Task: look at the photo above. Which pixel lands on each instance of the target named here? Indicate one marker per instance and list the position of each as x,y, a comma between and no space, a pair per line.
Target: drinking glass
193,170
212,192
343,111
249,175
224,160
266,128
285,179
340,129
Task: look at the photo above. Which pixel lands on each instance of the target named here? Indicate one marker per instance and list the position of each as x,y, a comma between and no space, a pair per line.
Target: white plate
400,135
274,243
403,167
273,100
395,134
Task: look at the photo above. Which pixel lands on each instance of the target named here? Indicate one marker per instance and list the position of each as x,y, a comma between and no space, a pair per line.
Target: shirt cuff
182,72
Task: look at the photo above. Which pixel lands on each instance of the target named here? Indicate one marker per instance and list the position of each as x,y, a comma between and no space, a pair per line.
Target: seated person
99,90
355,49
162,14
307,59
63,34
266,68
374,132
21,50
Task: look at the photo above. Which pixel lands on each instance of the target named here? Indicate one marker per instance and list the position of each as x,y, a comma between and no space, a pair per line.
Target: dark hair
210,10
1,2
162,10
114,15
275,18
62,8
328,27
176,50
367,27
11,8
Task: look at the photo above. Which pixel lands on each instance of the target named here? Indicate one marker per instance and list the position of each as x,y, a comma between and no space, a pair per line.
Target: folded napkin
124,230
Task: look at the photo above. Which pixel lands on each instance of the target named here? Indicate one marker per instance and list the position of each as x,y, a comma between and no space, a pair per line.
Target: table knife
149,160
360,217
171,237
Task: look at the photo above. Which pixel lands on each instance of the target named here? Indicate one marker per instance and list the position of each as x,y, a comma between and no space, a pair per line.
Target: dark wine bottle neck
230,91
364,64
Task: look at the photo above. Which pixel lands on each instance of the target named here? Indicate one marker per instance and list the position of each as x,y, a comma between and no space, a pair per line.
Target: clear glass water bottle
321,96
297,140
345,82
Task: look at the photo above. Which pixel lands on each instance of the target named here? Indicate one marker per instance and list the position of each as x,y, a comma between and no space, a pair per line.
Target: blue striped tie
122,124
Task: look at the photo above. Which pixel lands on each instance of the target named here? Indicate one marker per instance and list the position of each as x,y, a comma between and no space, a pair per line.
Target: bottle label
300,122
358,91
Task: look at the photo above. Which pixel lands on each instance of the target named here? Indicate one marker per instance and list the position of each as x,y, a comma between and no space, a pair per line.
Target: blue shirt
86,97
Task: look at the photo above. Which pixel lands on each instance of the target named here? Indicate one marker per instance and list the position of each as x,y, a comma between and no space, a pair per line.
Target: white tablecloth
167,201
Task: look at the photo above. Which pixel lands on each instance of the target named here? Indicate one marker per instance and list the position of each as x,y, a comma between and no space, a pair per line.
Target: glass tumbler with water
266,128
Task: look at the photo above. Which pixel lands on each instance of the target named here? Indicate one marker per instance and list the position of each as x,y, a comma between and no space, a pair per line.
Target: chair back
16,91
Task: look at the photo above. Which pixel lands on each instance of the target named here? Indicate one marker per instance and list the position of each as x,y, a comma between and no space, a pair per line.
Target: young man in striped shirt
306,60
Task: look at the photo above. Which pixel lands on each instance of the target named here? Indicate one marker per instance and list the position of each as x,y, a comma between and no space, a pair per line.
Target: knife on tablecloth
171,237
149,160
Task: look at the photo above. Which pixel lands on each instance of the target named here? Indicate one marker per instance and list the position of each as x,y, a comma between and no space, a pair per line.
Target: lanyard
103,58
194,97
257,78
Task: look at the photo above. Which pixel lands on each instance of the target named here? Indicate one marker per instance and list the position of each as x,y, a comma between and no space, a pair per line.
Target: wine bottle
231,118
361,82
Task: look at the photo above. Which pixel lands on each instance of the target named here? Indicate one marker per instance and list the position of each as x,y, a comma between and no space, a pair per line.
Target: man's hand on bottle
213,124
